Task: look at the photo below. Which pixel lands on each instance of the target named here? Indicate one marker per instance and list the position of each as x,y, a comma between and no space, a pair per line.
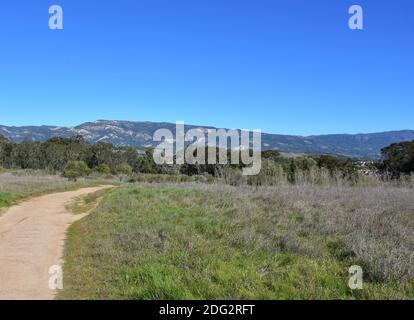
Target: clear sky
283,66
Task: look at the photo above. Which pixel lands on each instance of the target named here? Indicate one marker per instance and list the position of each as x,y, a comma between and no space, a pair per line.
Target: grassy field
219,242
19,185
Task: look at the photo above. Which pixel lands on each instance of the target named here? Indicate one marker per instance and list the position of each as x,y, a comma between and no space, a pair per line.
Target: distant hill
139,134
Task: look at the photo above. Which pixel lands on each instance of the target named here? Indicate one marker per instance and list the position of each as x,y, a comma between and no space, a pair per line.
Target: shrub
231,176
103,169
75,170
272,173
124,169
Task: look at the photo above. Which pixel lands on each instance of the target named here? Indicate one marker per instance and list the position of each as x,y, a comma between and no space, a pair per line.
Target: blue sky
283,66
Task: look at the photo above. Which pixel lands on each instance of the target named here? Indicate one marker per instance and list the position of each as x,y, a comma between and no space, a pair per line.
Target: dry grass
27,182
375,223
21,184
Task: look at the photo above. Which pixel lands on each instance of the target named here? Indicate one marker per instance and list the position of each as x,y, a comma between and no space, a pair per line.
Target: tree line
75,157
56,153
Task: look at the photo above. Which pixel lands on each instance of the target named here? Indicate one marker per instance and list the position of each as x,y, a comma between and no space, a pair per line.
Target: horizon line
205,126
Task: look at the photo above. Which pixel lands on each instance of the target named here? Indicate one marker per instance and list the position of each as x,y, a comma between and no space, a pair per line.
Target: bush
75,170
231,176
271,174
2,169
103,169
124,169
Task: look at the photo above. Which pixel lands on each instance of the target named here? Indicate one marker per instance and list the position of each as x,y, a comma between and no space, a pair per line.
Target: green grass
177,243
8,198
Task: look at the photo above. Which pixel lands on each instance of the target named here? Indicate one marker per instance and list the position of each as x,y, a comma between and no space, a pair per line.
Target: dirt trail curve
32,238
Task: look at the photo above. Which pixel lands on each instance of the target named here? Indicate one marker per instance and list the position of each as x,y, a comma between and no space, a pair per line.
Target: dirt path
31,241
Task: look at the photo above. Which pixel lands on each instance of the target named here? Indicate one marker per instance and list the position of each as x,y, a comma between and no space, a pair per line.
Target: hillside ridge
139,134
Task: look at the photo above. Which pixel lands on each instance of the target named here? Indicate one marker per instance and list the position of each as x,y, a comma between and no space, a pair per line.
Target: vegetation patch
216,242
19,185
86,203
8,198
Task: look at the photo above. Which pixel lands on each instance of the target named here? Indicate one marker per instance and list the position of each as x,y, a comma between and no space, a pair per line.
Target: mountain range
140,134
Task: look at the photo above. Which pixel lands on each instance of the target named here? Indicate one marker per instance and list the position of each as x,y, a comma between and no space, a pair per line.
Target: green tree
75,170
101,153
146,163
124,169
398,159
6,150
103,169
271,155
347,168
305,163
